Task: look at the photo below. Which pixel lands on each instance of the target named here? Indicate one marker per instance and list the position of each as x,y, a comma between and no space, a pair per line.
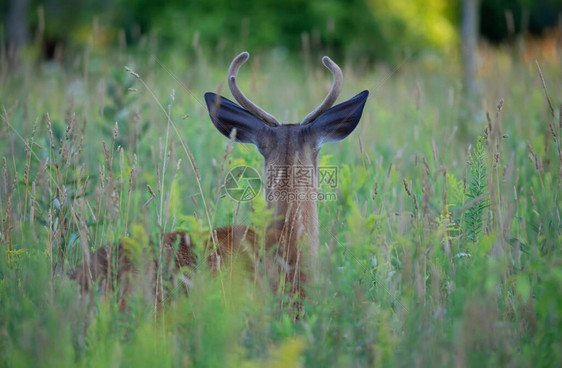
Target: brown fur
116,267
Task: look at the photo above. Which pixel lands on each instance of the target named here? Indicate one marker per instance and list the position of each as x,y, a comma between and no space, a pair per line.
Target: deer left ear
226,116
339,121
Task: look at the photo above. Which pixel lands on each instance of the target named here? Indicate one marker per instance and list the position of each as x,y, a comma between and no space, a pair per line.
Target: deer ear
226,116
338,122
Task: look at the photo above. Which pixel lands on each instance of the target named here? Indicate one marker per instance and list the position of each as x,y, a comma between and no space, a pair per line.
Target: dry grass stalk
406,187
153,196
545,90
50,130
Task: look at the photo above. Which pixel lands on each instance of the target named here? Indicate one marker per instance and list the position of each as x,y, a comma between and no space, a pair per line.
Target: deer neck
291,191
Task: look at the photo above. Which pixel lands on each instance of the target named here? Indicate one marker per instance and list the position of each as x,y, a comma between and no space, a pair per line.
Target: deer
286,148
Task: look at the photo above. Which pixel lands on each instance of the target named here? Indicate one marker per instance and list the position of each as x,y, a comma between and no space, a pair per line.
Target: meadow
442,246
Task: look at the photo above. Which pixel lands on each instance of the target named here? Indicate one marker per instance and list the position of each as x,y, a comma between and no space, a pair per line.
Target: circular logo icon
242,183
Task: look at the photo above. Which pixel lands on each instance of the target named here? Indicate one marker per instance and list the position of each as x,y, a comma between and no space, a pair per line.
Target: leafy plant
476,191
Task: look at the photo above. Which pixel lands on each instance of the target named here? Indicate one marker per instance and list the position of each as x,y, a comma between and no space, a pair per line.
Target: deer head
288,147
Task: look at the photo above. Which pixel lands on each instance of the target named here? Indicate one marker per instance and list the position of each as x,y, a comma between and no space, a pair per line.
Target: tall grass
442,248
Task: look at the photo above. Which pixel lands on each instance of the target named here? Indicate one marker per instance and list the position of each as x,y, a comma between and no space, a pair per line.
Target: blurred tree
354,27
417,24
17,23
230,24
469,43
375,29
526,16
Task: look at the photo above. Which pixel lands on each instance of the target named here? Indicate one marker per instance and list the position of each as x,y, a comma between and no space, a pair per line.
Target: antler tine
241,98
332,95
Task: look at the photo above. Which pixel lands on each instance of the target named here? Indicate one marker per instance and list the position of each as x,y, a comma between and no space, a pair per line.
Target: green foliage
476,191
289,25
380,30
456,190
360,28
417,24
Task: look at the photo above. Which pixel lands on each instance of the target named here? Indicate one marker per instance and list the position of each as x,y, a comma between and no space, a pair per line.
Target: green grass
442,248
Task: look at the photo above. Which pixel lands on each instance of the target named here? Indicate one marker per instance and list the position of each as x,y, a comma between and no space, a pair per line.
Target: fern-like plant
476,191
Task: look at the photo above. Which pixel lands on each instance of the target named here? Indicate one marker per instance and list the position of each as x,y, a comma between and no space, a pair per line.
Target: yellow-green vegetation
441,249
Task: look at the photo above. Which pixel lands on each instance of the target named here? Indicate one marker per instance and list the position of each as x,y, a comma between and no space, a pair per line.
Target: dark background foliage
353,27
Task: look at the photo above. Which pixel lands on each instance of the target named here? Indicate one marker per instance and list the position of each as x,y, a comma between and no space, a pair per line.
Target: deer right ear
339,121
226,116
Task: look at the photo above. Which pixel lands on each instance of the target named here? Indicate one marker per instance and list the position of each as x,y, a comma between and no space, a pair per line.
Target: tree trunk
17,23
469,34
